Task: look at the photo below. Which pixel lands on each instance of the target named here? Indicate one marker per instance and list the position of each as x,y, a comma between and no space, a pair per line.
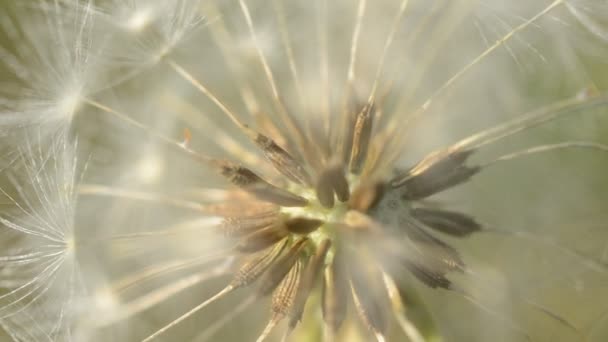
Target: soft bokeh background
559,197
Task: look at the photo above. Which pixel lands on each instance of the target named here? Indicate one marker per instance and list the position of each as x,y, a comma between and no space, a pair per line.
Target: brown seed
427,185
285,294
302,225
361,136
283,298
239,226
255,266
325,191
237,174
265,123
437,165
448,222
262,239
280,267
437,172
332,180
437,162
252,183
282,160
270,193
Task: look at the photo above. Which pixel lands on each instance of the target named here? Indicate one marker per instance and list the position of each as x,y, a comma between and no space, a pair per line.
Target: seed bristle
370,297
399,310
512,325
221,294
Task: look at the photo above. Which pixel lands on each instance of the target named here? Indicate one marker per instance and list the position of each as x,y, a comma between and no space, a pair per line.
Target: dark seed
303,226
438,162
325,191
427,185
448,222
332,181
429,277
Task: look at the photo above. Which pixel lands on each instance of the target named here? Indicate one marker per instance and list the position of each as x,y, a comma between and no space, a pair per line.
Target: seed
448,222
302,225
280,267
249,181
361,136
262,239
282,160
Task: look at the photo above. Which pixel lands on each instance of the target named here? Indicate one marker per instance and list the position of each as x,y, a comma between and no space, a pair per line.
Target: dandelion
41,276
51,65
338,170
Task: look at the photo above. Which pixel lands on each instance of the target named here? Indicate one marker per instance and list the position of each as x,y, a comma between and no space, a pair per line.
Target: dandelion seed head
145,32
43,261
335,166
